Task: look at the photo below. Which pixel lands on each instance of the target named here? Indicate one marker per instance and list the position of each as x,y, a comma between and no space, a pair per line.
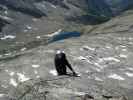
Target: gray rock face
103,61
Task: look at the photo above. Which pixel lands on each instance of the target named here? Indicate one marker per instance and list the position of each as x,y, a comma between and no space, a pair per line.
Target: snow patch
7,54
6,18
81,58
129,74
53,72
13,82
22,77
109,59
8,37
23,49
2,95
37,76
87,71
6,70
130,38
28,27
34,19
6,12
115,76
98,65
108,47
35,66
25,30
129,68
53,6
38,37
98,79
123,56
124,49
36,72
79,93
4,86
88,48
55,33
117,48
123,46
11,73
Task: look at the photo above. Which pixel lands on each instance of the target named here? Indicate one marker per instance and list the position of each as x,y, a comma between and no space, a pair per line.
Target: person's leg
58,70
63,70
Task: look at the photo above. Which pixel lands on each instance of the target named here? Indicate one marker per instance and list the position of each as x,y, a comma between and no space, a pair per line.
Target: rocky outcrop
108,8
118,25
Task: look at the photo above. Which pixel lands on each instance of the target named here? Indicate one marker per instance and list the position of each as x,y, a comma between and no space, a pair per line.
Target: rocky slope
102,57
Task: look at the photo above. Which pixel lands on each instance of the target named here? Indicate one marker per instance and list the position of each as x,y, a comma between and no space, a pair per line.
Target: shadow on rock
88,19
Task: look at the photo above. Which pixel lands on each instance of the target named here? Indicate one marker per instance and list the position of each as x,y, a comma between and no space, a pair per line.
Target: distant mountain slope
21,10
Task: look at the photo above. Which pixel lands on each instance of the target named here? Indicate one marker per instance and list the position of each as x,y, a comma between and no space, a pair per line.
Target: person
61,64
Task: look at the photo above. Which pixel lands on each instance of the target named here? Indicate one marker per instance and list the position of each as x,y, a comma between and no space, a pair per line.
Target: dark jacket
61,64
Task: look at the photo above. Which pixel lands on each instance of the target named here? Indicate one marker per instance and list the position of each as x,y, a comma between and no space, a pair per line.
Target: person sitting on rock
61,63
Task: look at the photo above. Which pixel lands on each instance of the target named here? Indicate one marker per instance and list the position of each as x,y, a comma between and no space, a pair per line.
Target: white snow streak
129,74
13,82
8,37
115,76
55,33
53,72
2,95
123,56
108,59
22,77
35,66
